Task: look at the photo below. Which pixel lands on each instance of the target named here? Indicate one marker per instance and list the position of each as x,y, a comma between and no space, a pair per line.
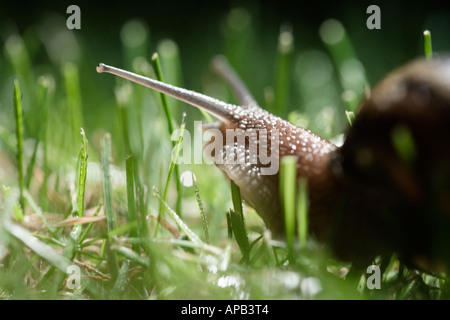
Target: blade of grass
82,173
171,169
427,45
78,207
237,221
302,212
132,218
170,124
142,66
135,38
267,238
191,235
131,255
350,115
43,250
19,137
18,55
288,174
178,242
201,208
107,190
141,207
238,35
124,94
165,104
169,55
123,97
351,72
42,90
73,100
45,83
38,211
90,225
284,66
49,240
229,226
119,285
30,167
122,229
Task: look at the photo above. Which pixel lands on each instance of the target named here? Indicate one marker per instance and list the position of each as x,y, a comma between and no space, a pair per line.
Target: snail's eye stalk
215,107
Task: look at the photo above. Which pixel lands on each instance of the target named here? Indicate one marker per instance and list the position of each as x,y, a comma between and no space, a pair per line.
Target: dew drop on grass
188,178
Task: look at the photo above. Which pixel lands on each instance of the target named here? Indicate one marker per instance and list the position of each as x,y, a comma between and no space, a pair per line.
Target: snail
366,197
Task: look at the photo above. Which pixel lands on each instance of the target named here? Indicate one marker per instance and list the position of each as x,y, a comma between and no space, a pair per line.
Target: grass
170,125
169,175
288,186
427,45
97,206
19,137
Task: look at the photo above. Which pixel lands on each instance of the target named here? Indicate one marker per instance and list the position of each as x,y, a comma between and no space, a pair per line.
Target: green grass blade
107,188
170,124
131,202
38,211
236,199
45,83
201,208
91,224
351,72
119,285
229,226
105,148
43,250
30,167
302,212
16,52
131,255
82,173
284,67
49,240
122,229
135,38
237,221
73,99
427,45
123,97
71,78
19,137
78,209
191,234
171,169
43,88
350,115
165,104
288,177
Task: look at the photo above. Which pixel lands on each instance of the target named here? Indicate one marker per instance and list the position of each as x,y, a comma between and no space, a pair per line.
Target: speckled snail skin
365,198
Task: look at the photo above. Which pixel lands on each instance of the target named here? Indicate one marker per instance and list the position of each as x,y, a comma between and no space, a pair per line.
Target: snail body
365,198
